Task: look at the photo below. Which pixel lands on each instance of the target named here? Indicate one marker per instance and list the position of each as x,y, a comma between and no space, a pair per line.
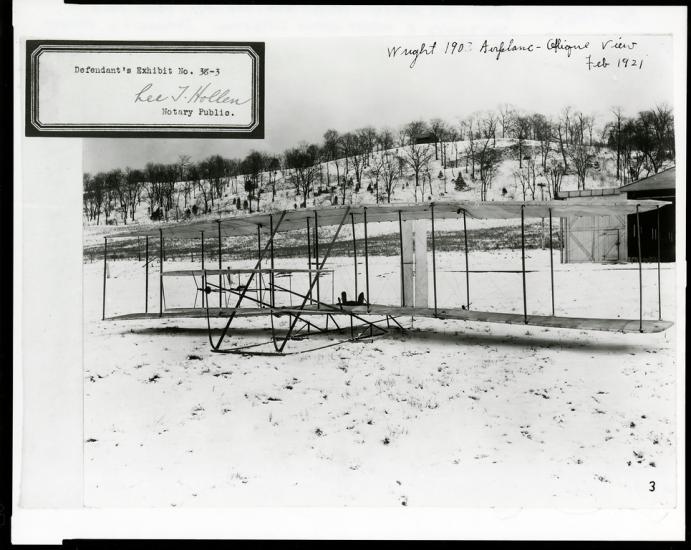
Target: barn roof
662,180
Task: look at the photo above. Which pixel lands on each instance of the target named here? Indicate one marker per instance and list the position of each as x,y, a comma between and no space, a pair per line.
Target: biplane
311,311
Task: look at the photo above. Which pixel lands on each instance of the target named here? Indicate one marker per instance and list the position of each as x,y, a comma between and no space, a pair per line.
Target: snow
405,191
446,414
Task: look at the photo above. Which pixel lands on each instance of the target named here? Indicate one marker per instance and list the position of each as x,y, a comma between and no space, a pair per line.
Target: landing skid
370,331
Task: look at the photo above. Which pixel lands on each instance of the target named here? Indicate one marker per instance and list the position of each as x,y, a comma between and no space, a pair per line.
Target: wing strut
352,224
160,275
434,263
259,262
105,269
400,236
146,276
467,278
551,259
364,213
204,297
220,277
316,253
640,269
525,303
659,292
309,254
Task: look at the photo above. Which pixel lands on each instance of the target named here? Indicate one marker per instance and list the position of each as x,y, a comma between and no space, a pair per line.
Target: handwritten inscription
615,53
201,94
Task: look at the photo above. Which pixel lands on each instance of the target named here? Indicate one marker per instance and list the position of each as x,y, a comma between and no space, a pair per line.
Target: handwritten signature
185,94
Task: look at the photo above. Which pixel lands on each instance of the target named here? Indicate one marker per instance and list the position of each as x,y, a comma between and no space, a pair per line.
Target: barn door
610,245
587,250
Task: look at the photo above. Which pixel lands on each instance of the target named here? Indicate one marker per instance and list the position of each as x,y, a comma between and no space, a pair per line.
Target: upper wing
327,216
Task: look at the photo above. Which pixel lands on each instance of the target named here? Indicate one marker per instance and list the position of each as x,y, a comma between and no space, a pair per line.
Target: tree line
547,148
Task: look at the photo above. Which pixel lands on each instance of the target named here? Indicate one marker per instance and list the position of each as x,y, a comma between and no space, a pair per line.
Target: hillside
436,180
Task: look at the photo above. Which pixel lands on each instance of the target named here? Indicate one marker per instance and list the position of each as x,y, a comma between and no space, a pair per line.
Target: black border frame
33,127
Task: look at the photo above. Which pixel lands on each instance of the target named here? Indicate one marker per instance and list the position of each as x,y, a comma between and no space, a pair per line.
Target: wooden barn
428,138
594,238
660,186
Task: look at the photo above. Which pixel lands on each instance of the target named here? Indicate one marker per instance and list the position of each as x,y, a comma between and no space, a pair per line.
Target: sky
347,83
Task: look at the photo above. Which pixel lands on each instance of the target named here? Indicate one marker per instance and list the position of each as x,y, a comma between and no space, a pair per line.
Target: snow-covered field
446,414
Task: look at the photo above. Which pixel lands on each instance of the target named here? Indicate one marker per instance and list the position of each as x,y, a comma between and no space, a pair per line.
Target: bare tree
183,163
580,154
253,167
542,129
488,157
527,178
561,133
331,149
438,128
368,140
389,170
470,125
128,191
375,173
273,165
554,174
506,114
417,157
357,146
521,131
200,174
489,164
654,136
615,134
111,189
580,159
94,192
385,139
302,161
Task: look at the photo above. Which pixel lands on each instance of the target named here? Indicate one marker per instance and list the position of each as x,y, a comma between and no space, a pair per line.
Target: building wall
649,223
595,239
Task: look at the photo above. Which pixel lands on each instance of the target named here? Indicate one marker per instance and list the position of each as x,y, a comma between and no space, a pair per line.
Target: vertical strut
366,261
467,273
220,277
352,223
316,255
259,264
525,303
204,297
271,252
551,259
400,238
105,269
562,244
309,254
160,275
640,269
434,263
659,291
146,269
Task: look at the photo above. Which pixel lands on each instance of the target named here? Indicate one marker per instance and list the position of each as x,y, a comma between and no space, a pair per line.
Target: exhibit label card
155,89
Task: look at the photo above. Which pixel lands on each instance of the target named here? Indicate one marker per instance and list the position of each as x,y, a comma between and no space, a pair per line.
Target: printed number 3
652,486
